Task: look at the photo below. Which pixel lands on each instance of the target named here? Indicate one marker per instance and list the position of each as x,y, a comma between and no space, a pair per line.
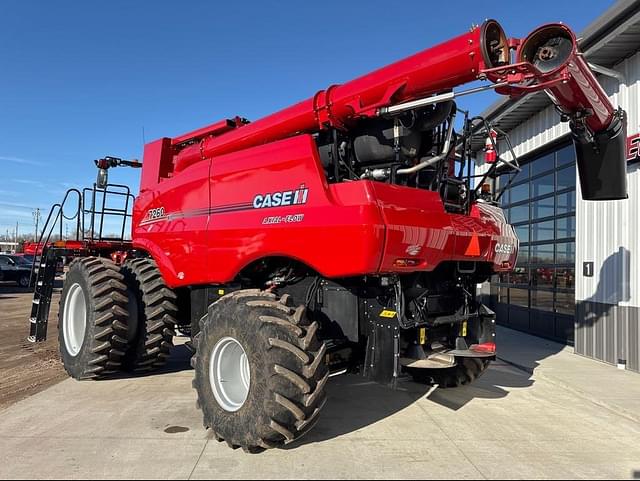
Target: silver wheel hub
74,319
229,374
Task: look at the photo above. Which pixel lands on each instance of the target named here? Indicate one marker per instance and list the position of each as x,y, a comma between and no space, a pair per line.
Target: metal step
432,361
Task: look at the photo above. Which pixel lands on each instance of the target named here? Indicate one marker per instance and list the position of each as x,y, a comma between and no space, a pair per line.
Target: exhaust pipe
598,129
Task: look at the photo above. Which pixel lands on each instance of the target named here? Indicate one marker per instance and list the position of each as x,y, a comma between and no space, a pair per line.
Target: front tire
93,319
259,370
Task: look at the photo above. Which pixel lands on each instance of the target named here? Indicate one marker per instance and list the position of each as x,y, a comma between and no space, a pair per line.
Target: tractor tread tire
157,313
465,372
285,350
106,300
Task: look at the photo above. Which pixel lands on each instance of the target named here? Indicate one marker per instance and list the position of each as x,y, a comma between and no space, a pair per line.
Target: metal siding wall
613,225
611,298
607,234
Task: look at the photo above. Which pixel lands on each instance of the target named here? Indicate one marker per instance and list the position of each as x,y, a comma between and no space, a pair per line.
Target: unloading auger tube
548,59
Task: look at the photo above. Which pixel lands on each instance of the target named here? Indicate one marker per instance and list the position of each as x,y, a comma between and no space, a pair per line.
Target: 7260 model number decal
154,215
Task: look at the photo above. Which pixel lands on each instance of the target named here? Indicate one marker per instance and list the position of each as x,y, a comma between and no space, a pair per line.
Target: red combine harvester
344,233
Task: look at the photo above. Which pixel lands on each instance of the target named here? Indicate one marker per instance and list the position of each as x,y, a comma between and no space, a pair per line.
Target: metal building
578,274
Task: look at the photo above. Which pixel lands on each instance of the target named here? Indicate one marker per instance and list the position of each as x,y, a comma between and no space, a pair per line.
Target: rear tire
154,307
92,319
275,372
465,372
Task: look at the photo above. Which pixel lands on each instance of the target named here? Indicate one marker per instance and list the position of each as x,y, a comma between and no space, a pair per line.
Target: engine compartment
418,148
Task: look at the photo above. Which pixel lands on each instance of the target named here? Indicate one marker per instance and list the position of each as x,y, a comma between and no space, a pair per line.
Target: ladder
45,277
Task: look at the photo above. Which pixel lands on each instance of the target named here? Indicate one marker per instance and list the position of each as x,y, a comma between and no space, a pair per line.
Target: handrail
113,190
58,217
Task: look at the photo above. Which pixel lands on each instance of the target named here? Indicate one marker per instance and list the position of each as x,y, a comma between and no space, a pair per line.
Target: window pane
566,177
542,277
542,186
542,164
542,300
519,297
503,295
520,276
504,200
523,256
566,203
519,213
565,155
542,231
566,227
566,253
542,254
519,193
565,278
542,208
565,303
522,231
523,174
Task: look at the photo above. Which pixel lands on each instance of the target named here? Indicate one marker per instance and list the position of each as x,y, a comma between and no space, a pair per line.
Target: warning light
485,348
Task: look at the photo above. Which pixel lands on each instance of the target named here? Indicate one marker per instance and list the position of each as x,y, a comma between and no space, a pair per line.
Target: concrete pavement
510,424
600,383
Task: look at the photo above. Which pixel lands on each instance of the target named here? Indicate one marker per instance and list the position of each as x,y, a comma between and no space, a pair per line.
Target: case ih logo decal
504,248
633,148
282,198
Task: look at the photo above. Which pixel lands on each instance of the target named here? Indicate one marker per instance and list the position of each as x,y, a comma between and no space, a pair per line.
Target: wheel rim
74,319
24,281
229,374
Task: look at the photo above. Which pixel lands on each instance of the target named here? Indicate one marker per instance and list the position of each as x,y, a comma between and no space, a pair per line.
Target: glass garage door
538,297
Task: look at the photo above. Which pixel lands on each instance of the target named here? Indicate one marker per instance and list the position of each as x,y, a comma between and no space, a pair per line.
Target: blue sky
81,80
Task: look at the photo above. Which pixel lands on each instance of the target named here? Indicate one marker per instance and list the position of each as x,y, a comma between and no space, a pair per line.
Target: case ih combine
346,232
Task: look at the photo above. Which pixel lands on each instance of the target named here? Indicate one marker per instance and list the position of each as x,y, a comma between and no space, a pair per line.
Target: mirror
103,179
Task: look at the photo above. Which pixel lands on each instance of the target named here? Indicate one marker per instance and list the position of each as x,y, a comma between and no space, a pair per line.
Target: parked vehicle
15,268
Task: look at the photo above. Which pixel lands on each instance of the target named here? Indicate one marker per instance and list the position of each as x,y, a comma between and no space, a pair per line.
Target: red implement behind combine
345,233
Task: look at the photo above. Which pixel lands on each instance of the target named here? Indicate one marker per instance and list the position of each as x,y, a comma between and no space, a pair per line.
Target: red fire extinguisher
490,154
